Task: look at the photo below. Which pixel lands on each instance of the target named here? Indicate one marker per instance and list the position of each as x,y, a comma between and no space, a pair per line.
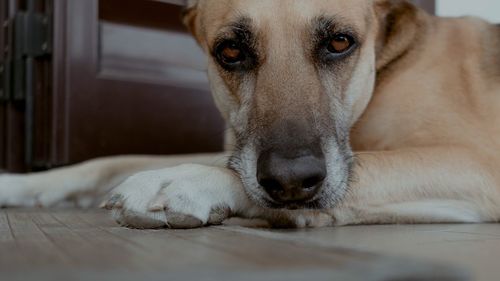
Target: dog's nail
108,206
157,204
114,202
156,207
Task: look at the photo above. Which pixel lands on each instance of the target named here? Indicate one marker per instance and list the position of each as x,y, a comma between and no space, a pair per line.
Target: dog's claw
115,202
156,207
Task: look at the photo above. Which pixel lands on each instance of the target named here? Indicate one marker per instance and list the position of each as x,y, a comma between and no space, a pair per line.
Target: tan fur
434,120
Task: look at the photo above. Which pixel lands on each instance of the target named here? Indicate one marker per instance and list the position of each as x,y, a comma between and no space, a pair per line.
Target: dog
340,112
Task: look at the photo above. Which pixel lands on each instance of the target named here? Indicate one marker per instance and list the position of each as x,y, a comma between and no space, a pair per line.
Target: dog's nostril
271,185
312,182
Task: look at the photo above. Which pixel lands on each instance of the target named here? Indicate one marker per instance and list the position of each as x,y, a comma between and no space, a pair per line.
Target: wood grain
88,245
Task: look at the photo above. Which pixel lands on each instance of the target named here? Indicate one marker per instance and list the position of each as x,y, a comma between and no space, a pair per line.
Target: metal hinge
30,38
32,34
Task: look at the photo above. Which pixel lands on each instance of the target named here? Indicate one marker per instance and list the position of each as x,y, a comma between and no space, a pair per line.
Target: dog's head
291,78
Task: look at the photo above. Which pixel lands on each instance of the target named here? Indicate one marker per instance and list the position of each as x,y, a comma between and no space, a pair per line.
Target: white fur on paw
14,193
28,191
178,197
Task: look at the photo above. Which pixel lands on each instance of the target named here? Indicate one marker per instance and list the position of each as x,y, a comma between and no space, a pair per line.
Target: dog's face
291,78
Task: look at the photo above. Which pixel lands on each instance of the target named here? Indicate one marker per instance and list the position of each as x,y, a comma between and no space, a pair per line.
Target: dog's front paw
186,196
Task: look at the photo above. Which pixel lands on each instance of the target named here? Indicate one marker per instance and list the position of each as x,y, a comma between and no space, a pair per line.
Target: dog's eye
340,43
230,53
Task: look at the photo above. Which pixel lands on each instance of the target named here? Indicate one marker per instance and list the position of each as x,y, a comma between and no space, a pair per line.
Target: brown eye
235,55
340,44
231,53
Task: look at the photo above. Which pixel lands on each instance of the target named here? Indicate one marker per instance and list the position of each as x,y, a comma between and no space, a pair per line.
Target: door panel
147,59
136,83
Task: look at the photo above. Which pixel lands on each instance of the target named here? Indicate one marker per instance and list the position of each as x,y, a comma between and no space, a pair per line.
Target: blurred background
487,9
81,79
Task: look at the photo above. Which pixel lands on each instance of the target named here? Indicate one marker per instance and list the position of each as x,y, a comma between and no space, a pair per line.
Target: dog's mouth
311,205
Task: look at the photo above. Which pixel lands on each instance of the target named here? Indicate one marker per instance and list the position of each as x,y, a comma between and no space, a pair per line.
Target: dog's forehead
217,13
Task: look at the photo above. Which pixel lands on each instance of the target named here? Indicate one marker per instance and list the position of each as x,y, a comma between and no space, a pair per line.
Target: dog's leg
85,184
426,185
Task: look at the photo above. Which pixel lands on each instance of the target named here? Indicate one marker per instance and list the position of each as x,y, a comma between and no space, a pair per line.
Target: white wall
488,9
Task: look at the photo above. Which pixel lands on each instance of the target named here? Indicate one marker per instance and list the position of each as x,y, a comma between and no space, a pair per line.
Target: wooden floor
88,245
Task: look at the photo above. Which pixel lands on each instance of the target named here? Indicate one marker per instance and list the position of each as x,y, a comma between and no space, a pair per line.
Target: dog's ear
398,30
190,17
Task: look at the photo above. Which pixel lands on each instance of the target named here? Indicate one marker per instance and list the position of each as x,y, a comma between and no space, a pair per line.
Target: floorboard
87,245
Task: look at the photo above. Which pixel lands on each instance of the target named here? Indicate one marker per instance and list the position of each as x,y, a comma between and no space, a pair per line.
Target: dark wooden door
131,81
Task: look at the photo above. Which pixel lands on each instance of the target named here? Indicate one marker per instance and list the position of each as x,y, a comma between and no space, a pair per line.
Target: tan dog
302,84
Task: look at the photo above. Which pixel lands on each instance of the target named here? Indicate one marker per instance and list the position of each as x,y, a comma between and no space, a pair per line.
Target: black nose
291,180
